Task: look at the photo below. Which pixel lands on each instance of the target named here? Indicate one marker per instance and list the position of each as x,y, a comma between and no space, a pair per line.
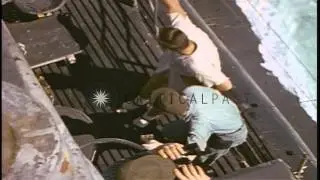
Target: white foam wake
287,30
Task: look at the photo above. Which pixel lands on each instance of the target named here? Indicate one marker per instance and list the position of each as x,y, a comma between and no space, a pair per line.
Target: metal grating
120,54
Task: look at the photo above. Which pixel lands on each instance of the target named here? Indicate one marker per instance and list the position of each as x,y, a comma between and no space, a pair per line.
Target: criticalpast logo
101,98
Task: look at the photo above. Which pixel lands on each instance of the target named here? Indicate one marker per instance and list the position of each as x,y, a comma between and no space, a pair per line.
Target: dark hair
168,100
173,38
149,167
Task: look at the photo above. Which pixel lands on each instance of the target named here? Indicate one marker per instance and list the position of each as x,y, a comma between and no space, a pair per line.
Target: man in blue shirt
215,123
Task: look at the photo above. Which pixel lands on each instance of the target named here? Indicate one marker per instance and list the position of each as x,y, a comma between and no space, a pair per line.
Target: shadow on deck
120,53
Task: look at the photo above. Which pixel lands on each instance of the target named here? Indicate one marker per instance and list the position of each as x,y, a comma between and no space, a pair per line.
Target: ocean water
288,33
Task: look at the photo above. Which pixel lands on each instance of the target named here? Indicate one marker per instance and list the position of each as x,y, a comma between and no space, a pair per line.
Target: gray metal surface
46,149
276,169
46,40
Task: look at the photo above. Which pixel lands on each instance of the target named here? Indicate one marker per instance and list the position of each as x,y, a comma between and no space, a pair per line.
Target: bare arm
218,79
173,6
225,86
191,172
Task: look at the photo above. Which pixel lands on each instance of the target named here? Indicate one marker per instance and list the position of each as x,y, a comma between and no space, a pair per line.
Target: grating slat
124,153
232,162
224,166
103,24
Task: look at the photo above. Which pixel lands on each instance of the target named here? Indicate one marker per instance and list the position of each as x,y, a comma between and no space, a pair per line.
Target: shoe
135,104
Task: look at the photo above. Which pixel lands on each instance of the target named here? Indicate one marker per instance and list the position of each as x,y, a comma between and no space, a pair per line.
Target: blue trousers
218,145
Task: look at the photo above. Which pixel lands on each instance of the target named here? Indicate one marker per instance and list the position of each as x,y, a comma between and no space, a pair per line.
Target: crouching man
214,122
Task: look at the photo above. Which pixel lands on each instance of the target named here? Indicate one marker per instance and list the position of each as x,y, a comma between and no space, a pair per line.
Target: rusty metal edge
33,88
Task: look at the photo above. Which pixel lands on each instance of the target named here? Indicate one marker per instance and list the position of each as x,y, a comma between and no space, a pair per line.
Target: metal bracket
71,59
22,48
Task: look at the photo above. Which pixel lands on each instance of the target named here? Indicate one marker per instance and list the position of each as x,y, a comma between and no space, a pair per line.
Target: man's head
150,167
173,39
168,100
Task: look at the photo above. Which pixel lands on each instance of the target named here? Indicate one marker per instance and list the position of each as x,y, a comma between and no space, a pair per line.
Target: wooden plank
46,40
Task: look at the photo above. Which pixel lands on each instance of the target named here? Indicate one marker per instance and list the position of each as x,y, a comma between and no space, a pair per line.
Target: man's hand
173,6
172,151
191,172
225,86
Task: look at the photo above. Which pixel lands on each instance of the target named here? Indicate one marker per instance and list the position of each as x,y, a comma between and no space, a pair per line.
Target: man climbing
214,122
190,58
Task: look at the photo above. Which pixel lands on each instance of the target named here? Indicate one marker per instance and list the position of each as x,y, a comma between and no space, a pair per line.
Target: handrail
115,141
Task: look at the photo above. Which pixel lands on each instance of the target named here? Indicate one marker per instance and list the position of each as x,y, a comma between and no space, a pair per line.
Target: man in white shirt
190,58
